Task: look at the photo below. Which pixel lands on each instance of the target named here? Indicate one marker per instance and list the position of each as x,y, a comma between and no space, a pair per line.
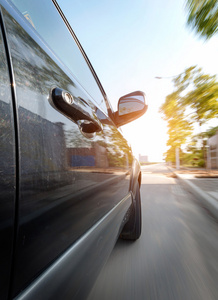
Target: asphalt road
177,254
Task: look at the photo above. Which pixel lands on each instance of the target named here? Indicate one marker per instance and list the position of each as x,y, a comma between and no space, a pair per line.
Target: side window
45,19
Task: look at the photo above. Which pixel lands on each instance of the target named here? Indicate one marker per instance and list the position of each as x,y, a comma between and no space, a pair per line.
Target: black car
69,184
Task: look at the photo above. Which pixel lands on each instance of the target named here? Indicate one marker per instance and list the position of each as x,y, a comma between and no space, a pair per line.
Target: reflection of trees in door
118,151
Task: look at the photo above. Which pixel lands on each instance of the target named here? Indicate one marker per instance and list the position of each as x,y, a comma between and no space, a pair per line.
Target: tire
132,229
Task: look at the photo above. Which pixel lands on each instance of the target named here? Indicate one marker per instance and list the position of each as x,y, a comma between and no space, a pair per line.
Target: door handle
77,110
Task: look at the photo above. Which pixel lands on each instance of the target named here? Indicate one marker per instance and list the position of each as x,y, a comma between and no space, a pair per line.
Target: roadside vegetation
194,101
192,104
203,17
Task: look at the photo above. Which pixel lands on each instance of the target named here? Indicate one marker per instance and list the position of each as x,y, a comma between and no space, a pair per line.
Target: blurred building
213,150
143,158
88,157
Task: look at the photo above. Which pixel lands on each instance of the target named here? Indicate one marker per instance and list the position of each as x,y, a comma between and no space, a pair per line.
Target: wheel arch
135,177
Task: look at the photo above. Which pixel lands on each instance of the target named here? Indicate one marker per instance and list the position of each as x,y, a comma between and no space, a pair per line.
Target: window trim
109,108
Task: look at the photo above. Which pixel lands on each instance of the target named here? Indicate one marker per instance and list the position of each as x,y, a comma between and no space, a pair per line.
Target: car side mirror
130,107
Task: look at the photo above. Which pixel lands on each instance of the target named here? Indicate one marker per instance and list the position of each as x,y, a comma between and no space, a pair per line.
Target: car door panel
67,182
7,172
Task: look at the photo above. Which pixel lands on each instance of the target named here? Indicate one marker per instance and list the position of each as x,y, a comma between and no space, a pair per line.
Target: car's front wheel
132,229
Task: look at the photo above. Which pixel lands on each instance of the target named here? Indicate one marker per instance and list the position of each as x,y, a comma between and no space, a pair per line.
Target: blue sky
129,42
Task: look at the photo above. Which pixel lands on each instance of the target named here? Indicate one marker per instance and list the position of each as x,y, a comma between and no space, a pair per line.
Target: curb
206,199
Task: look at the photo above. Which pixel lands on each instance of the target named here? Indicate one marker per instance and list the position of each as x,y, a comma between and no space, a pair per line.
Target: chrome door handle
76,110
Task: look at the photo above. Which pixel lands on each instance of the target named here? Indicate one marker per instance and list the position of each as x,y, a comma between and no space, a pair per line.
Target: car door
73,163
7,172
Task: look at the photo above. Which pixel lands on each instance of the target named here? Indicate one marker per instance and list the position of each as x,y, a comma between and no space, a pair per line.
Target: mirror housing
130,107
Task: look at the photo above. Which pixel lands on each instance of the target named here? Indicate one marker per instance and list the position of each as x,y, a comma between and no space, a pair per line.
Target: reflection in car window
44,17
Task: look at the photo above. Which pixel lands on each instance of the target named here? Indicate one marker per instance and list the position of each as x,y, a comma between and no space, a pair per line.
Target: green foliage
210,132
170,155
195,154
203,16
198,94
201,163
194,100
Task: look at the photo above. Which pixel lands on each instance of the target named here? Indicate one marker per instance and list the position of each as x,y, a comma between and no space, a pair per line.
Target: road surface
177,254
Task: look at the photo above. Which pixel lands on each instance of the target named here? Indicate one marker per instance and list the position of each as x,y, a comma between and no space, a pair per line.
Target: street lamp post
177,159
166,77
208,156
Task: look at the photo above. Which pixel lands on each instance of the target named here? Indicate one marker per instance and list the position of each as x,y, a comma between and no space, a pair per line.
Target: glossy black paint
81,262
70,174
68,182
7,172
77,110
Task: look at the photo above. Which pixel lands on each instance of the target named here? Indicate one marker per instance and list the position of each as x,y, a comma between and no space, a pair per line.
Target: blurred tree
178,127
194,100
170,155
195,154
197,95
203,16
210,132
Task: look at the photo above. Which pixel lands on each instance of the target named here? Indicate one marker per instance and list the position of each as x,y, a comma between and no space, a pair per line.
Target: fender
132,220
135,176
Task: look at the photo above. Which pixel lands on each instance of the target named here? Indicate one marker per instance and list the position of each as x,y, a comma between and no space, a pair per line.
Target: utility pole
177,159
208,157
